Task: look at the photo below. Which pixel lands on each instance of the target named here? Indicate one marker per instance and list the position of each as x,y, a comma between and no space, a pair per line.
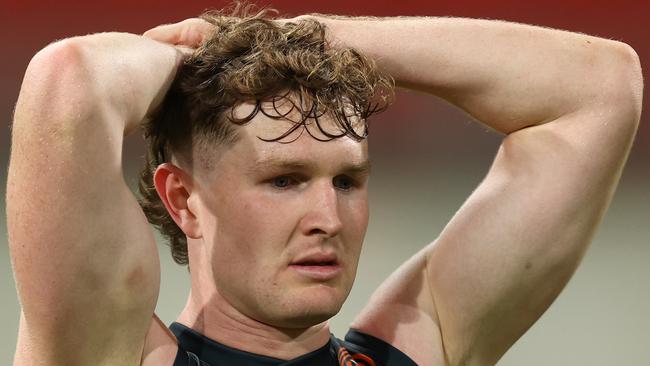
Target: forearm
508,76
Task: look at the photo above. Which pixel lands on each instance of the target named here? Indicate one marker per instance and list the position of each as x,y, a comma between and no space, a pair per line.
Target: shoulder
402,314
161,347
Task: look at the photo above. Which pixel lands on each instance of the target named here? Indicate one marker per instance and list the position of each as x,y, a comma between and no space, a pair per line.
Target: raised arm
83,254
569,105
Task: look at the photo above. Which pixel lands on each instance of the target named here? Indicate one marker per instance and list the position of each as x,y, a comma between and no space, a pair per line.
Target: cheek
357,213
251,232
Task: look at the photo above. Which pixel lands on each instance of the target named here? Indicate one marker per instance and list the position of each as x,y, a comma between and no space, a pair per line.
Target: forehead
302,146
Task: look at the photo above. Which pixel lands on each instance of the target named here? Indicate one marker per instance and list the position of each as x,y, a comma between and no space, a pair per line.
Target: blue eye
282,181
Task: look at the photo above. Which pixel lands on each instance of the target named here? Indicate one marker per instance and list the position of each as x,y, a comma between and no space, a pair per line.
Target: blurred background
421,173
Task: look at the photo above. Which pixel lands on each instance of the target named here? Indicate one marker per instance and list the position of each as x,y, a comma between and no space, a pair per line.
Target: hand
186,35
190,33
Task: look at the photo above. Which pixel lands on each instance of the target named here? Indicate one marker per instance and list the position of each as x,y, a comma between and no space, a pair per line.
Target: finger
297,19
190,32
186,51
163,33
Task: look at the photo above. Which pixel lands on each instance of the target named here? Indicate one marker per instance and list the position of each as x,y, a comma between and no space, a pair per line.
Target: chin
305,319
308,308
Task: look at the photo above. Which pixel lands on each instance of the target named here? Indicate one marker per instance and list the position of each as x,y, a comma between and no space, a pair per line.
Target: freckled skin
255,229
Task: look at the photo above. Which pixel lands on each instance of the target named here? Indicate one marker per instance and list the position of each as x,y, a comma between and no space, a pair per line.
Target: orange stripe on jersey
359,359
363,360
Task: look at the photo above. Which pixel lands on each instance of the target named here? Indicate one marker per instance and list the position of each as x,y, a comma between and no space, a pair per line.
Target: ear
174,186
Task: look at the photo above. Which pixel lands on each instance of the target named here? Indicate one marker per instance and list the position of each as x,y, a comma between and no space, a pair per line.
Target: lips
317,266
317,259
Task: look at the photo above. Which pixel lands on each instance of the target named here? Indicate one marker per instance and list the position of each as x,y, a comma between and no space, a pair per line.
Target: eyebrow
355,168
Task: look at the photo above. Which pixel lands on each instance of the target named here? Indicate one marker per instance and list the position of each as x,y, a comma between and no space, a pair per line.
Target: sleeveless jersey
358,349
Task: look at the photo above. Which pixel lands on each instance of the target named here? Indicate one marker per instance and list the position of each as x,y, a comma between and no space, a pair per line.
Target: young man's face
284,223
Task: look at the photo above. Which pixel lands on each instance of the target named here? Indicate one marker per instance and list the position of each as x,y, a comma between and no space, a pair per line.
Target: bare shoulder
402,313
160,345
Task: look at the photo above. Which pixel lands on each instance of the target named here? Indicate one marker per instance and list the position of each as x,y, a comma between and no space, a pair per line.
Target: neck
215,318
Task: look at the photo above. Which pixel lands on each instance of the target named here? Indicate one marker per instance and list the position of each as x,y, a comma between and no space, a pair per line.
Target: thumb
190,32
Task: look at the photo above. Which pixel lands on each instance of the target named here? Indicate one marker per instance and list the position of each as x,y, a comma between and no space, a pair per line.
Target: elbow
631,77
59,51
622,87
54,63
56,87
634,81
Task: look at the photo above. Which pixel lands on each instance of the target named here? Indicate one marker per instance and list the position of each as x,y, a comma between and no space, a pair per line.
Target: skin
568,106
262,207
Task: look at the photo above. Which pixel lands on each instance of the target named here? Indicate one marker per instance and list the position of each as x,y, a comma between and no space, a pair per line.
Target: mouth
317,267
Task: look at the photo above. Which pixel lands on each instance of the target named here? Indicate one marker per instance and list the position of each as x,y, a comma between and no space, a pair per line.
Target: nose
322,211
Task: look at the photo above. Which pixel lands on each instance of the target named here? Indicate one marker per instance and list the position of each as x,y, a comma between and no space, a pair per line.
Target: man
273,227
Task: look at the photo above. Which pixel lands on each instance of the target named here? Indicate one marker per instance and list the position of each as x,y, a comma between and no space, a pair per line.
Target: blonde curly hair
250,57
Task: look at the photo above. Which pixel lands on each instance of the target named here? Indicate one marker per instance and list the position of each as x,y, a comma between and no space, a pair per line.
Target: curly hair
255,59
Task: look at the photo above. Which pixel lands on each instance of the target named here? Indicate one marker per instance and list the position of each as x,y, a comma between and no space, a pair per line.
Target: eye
283,181
343,182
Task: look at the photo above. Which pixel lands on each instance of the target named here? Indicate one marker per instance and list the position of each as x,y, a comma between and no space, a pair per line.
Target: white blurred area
419,179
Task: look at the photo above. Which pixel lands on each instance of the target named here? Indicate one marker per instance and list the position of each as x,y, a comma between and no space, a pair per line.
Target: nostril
317,231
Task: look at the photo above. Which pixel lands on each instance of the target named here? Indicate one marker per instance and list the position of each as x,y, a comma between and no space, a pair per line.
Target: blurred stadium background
427,157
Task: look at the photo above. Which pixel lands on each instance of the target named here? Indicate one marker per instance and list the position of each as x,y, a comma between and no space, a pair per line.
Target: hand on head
185,35
188,34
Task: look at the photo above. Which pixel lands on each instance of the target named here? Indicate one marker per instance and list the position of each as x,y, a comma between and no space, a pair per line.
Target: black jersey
357,349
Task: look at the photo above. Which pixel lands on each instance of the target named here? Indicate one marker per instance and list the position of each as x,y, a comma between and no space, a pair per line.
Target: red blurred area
30,25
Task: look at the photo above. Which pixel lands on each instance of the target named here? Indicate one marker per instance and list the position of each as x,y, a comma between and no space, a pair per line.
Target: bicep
517,240
508,251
